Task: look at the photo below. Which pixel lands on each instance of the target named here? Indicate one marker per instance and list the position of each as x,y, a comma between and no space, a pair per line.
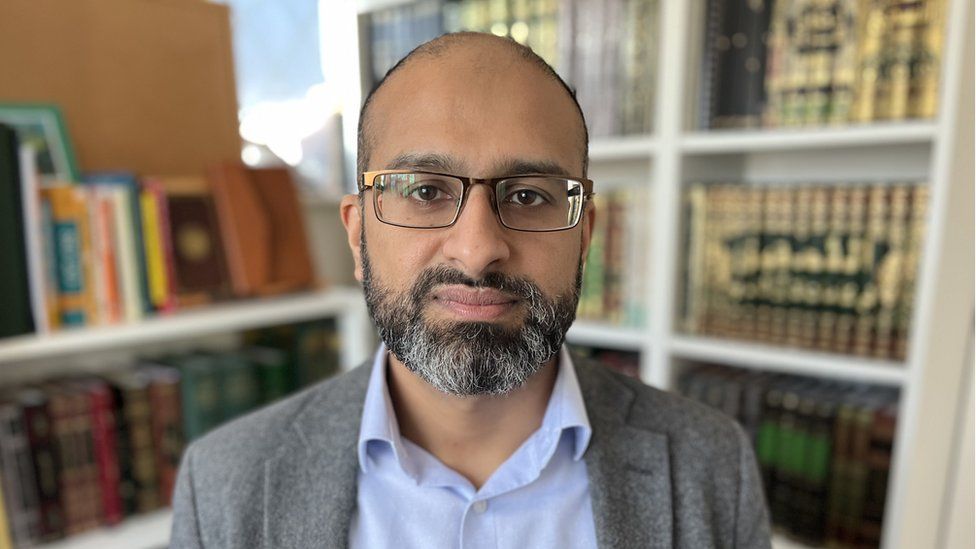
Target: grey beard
470,358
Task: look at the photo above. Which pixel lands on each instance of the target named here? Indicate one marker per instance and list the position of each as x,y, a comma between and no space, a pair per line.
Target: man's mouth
474,303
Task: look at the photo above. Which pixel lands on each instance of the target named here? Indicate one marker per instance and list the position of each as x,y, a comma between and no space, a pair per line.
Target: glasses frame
367,180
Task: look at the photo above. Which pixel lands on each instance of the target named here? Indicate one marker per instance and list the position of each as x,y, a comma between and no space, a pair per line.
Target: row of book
115,247
615,279
828,267
605,49
824,448
780,63
81,451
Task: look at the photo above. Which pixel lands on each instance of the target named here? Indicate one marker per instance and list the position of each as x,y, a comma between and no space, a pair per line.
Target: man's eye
426,193
526,197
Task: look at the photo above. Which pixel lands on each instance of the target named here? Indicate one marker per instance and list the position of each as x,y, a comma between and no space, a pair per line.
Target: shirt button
480,506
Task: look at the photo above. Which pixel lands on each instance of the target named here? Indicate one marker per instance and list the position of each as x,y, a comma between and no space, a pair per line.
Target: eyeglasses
426,200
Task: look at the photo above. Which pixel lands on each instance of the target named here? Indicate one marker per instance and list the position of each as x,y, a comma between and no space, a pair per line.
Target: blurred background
785,191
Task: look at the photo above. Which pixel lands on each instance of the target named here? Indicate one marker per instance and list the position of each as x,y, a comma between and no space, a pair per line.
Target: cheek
553,260
396,256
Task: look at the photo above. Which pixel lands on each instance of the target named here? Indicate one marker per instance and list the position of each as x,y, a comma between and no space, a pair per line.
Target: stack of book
779,63
828,267
615,279
824,448
116,247
82,451
625,362
606,50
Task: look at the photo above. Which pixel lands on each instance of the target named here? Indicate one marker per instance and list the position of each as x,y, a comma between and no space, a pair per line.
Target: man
471,427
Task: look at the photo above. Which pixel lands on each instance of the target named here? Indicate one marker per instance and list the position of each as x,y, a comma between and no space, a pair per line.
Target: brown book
200,267
850,285
139,486
34,403
167,426
875,247
834,268
798,275
261,223
891,270
78,483
913,251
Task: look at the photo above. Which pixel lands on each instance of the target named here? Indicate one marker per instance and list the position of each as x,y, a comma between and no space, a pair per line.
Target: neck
472,435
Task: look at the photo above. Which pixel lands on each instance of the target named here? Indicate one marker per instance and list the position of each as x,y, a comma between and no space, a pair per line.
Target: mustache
519,287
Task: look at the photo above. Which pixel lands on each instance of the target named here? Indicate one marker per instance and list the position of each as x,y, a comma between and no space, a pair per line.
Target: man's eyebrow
517,166
426,161
448,164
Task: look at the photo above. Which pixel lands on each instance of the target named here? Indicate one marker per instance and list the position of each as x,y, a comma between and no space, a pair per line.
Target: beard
466,358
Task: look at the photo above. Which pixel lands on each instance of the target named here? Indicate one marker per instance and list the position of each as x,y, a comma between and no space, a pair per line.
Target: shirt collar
565,411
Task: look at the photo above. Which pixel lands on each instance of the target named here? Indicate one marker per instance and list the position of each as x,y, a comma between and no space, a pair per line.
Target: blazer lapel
310,486
629,469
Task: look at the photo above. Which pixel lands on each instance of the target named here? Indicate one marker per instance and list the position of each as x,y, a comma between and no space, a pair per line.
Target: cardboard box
145,85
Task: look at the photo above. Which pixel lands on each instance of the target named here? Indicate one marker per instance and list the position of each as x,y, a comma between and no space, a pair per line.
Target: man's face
474,308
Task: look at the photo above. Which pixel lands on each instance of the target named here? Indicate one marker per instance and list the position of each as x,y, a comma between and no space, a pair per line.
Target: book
17,475
127,253
200,265
167,425
200,393
156,246
69,213
15,299
78,488
824,447
104,437
39,245
139,484
817,266
262,229
128,182
33,401
239,390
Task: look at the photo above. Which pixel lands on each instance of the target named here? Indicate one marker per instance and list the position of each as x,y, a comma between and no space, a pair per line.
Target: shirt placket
478,526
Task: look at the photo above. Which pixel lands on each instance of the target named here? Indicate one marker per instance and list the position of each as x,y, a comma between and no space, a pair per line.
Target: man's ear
352,219
589,218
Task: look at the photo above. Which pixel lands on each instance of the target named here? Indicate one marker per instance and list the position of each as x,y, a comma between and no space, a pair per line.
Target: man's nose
477,240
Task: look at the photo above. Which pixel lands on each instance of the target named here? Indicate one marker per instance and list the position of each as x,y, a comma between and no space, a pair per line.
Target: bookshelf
149,531
936,151
232,316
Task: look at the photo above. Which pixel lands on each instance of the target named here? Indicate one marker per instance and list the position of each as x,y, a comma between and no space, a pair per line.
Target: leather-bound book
200,268
262,228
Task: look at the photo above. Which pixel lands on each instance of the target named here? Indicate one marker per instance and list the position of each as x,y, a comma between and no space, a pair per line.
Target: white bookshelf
346,304
868,135
149,531
606,336
938,151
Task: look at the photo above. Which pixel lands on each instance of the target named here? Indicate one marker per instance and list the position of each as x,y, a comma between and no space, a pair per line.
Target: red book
104,445
39,435
167,422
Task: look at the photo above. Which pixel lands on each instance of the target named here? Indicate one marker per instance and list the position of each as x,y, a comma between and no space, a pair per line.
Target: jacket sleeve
752,518
185,533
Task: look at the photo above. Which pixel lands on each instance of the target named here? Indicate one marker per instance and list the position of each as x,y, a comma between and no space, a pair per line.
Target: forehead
484,108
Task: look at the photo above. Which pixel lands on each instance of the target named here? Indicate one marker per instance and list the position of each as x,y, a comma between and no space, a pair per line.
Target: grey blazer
663,471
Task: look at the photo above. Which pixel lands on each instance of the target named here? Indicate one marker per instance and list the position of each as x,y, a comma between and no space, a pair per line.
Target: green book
317,348
273,370
200,393
239,389
15,300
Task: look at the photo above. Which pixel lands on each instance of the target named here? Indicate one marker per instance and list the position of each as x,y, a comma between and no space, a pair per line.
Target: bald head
475,59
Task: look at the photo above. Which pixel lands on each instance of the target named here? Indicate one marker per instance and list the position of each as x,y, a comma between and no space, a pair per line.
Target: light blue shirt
539,497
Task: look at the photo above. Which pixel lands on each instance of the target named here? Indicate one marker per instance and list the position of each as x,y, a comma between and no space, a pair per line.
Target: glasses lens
419,200
539,203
